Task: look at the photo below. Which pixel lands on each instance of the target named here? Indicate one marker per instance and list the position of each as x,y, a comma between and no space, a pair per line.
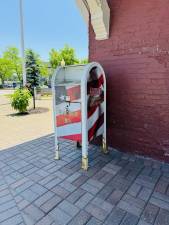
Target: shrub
20,100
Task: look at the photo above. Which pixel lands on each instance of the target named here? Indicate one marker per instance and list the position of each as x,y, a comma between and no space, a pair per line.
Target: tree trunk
34,97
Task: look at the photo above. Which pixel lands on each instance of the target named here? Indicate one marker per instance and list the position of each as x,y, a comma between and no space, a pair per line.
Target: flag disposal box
79,106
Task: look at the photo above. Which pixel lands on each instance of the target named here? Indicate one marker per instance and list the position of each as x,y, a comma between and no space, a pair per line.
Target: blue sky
48,24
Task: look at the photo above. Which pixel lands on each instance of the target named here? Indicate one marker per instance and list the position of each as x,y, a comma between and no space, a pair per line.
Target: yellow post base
104,147
57,155
85,165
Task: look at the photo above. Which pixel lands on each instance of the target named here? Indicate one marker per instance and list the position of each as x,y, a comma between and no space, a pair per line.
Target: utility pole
22,41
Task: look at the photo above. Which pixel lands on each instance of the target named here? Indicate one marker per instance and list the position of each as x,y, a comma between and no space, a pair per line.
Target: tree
54,58
43,67
32,72
84,61
6,69
12,54
67,53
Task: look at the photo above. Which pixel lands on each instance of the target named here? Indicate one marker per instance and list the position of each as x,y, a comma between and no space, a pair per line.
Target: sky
47,24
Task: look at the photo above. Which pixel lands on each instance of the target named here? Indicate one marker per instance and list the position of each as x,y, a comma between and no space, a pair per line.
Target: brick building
131,40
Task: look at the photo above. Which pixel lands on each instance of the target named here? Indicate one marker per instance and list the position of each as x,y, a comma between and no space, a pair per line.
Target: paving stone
69,208
33,212
61,175
145,193
6,198
145,181
134,189
15,220
76,195
4,192
102,204
90,188
142,222
50,204
7,205
24,203
81,218
73,177
23,187
161,186
94,221
97,212
160,203
60,191
38,189
29,195
111,168
47,220
105,192
81,180
68,186
150,213
116,217
18,199
134,201
105,179
129,208
42,173
59,216
27,219
8,213
52,183
84,200
44,198
130,219
115,197
20,182
161,196
163,217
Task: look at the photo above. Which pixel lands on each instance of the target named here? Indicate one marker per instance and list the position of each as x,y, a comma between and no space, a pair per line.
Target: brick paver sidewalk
118,189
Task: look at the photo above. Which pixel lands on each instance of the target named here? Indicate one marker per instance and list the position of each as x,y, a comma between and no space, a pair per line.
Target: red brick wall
136,62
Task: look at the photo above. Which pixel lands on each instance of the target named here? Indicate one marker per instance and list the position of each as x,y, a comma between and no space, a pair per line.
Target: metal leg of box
104,146
57,152
85,164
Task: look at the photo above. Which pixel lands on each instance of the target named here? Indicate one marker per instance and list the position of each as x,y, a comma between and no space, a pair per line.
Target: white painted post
22,41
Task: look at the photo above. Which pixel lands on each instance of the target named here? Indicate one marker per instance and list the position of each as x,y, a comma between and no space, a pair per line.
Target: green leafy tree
32,72
6,69
67,54
54,58
84,61
43,68
12,54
